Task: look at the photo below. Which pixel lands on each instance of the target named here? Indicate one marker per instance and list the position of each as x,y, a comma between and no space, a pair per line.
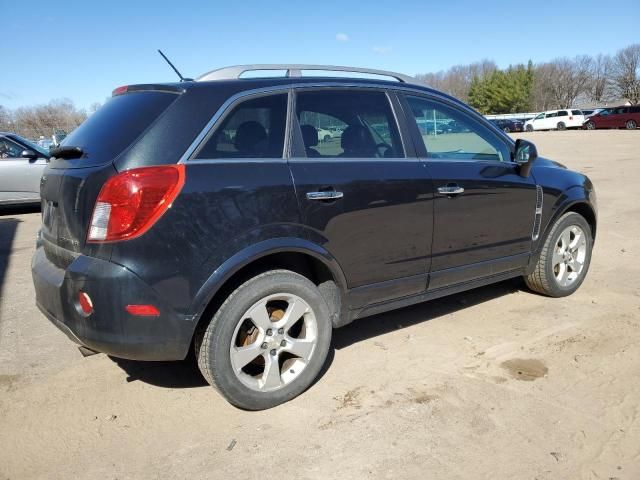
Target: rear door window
255,128
348,124
576,112
562,113
116,125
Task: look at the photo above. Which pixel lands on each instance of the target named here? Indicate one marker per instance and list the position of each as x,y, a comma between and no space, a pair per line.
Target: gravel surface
496,383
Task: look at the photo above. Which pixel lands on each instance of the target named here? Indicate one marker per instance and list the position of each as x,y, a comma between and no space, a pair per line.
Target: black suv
219,215
508,125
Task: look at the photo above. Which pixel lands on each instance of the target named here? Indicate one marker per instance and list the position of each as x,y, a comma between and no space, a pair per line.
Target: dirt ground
496,383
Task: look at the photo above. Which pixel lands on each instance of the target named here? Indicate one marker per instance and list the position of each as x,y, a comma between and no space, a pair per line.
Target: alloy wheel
569,255
273,342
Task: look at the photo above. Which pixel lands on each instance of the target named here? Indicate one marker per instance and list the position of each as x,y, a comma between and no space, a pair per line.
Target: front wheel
591,126
506,130
529,128
631,125
268,341
564,259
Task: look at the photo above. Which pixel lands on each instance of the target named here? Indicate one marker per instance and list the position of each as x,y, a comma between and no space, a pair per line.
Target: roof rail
295,70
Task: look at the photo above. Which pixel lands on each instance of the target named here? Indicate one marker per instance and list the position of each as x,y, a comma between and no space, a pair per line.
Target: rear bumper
109,329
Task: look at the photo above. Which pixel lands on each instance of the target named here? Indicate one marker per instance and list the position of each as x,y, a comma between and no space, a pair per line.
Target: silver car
21,166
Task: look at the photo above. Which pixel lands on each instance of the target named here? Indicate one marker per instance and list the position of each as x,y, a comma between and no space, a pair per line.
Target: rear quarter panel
224,207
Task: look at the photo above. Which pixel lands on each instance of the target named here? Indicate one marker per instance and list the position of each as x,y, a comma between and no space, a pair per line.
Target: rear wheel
631,125
267,342
591,126
564,259
562,126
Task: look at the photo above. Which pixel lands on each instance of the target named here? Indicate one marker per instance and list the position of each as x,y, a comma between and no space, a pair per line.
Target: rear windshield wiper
66,152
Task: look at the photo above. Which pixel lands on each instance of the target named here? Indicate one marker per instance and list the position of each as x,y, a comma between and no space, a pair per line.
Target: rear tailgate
70,186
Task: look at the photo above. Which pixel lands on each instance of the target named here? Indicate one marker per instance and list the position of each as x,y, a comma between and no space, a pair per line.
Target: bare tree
457,80
599,85
625,73
45,120
5,119
561,81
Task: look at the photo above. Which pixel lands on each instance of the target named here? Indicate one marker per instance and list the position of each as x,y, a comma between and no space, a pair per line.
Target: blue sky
82,50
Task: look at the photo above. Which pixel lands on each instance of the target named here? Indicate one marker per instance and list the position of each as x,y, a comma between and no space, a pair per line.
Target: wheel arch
300,256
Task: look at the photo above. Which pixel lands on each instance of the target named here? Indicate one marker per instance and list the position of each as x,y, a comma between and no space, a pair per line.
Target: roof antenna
182,79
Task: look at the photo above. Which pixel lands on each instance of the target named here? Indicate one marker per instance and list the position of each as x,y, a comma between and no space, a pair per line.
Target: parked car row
590,119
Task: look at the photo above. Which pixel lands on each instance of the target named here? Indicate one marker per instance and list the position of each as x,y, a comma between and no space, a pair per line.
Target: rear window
116,125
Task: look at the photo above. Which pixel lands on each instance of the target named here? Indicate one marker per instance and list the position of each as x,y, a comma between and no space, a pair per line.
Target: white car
555,120
324,135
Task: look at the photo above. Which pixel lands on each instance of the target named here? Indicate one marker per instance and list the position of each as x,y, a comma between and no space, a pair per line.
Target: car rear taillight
132,201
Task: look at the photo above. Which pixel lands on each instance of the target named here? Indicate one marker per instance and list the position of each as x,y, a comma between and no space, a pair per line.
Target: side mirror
30,154
525,154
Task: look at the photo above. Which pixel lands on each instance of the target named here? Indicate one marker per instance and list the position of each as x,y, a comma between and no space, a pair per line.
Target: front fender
580,198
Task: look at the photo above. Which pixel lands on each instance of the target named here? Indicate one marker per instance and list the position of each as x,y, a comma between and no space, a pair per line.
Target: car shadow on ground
8,227
185,373
7,210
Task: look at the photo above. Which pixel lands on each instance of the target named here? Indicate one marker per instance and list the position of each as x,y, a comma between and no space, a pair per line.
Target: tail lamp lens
131,202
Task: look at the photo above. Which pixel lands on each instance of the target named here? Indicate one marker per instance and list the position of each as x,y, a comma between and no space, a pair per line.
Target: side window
254,129
347,124
449,133
552,114
576,112
562,113
8,149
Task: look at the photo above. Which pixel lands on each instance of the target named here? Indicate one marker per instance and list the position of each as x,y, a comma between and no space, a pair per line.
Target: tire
217,345
327,138
591,126
529,128
547,278
506,130
561,126
631,125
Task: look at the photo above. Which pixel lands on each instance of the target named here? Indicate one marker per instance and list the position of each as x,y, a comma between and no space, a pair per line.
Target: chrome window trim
290,87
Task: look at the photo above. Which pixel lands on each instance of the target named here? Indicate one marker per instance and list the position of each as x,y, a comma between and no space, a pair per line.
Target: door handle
451,189
324,195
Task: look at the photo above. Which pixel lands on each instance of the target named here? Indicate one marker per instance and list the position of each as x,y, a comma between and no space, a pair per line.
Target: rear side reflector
85,303
143,310
131,202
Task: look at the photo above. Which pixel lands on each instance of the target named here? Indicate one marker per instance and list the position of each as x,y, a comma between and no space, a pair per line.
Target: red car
617,117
